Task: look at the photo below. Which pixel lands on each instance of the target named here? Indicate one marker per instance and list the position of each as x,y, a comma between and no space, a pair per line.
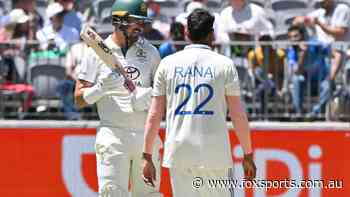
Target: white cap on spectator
195,5
18,16
54,9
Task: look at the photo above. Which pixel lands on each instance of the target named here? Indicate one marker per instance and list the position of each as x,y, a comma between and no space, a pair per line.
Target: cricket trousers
200,182
119,170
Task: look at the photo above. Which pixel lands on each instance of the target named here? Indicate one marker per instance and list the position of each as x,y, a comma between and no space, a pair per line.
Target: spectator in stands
4,19
16,27
189,7
339,106
12,62
244,21
307,67
331,23
152,34
72,18
181,18
11,82
201,4
177,34
29,7
267,65
56,34
65,88
158,22
15,35
3,11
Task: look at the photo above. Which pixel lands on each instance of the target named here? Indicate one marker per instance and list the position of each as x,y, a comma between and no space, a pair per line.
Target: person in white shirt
196,86
56,34
122,114
202,4
330,23
244,19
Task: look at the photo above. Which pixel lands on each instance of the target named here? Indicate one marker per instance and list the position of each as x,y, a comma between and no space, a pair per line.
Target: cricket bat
93,40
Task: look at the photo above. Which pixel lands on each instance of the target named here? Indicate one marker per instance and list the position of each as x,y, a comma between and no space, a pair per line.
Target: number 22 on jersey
198,110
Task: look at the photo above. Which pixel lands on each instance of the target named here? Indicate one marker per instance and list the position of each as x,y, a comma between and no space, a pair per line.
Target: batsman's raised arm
92,39
89,89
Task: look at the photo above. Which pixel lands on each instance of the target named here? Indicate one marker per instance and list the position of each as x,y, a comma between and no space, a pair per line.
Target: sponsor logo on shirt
141,53
132,72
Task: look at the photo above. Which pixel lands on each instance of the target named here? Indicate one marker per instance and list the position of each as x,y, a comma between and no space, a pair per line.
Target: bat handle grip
129,85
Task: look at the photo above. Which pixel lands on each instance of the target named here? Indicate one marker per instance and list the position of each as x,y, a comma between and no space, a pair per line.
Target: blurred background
290,69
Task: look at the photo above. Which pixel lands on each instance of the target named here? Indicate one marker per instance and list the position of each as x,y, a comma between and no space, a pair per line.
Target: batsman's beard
134,35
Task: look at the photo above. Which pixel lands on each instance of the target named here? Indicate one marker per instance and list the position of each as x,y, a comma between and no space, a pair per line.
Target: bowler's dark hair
200,24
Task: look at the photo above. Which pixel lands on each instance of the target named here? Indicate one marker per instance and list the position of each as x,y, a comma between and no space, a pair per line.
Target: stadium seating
281,5
102,9
44,75
262,3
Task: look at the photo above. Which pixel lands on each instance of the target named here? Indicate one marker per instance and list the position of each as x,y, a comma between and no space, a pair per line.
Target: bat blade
93,40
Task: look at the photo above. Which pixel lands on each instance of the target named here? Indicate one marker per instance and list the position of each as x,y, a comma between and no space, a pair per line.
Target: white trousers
118,154
193,182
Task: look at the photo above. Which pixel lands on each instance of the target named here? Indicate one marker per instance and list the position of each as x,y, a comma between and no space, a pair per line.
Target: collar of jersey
197,46
110,43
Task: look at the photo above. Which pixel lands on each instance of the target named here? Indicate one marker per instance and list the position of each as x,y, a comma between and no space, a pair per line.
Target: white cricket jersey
141,62
195,82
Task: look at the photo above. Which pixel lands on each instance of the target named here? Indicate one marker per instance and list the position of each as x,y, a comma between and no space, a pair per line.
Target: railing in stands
273,86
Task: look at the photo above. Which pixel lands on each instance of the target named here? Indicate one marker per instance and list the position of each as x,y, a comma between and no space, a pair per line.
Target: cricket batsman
196,86
122,114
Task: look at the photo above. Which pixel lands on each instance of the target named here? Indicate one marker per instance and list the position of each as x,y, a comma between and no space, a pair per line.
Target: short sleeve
231,81
155,62
341,17
266,26
159,84
89,67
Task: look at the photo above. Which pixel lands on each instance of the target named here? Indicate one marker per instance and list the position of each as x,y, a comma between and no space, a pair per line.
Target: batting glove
112,84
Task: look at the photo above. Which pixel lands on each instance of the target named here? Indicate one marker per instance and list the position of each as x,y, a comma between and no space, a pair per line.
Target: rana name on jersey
194,71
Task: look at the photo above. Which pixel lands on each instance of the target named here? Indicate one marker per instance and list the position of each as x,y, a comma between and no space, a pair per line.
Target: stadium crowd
292,56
